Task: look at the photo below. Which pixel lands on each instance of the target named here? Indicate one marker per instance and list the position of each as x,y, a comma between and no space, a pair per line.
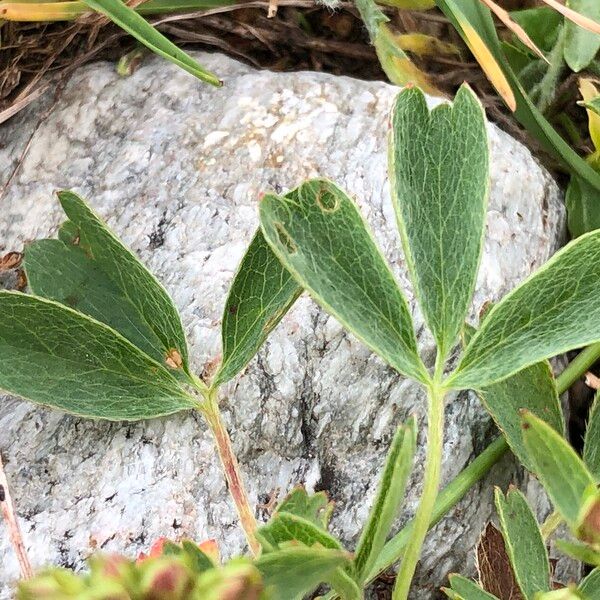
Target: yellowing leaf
488,63
588,92
426,45
394,61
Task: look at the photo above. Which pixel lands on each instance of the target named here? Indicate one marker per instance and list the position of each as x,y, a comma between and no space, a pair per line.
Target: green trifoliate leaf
285,527
316,508
439,178
581,46
523,542
554,310
294,571
466,589
55,356
591,445
590,586
321,238
90,270
261,293
565,478
126,18
390,494
533,389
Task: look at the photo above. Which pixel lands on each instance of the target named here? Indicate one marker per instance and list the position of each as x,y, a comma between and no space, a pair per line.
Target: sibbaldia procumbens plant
101,338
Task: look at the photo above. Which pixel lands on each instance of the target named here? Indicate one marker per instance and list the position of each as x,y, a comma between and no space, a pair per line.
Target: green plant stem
550,525
455,491
578,367
448,498
431,484
231,468
545,90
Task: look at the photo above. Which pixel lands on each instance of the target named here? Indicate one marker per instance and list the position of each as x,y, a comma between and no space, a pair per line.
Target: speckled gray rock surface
177,167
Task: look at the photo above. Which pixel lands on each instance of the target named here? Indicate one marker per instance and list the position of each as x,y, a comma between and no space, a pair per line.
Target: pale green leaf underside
581,46
439,179
533,389
591,446
104,279
261,293
390,494
554,310
55,356
139,28
524,543
321,238
558,467
466,589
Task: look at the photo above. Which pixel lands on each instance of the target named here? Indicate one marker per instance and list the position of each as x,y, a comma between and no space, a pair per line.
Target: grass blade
139,28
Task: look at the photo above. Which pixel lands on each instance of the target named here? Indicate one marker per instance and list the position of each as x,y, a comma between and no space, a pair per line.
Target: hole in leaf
327,201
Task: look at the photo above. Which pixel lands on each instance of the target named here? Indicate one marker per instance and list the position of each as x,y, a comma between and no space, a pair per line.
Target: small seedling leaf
285,527
390,494
523,542
294,571
554,310
55,356
430,155
533,389
316,508
261,293
321,238
561,472
91,271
